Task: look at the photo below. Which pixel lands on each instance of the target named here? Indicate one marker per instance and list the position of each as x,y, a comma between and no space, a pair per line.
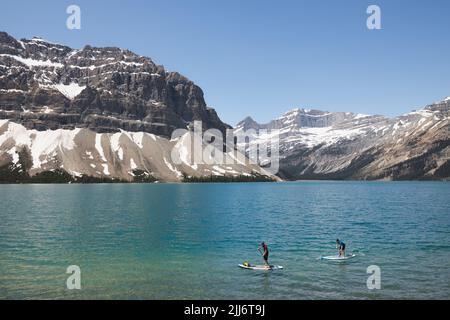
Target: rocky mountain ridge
317,144
50,86
101,114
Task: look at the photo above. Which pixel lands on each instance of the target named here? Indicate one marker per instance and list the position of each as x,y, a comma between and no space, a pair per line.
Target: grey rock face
49,86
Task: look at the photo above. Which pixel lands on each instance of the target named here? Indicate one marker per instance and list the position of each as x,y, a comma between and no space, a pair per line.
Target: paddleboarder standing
264,250
341,247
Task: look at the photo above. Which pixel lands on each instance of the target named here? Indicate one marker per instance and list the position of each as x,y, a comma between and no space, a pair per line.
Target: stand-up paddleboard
261,267
338,258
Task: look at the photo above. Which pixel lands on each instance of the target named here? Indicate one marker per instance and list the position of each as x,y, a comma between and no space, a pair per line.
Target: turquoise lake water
184,241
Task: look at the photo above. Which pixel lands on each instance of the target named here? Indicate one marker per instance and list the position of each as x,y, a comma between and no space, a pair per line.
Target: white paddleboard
261,267
338,258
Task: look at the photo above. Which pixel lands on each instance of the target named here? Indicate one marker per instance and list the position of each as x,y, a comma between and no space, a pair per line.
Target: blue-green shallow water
184,241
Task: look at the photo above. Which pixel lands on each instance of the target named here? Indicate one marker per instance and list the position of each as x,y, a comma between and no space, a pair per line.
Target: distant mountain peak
442,106
248,123
37,38
317,144
304,111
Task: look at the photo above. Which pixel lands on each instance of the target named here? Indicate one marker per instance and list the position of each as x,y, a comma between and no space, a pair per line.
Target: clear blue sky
262,58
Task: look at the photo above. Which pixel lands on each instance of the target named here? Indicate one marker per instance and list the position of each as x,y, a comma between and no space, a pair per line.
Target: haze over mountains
108,113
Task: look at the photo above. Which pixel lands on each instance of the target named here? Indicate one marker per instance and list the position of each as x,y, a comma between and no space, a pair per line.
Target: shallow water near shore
185,241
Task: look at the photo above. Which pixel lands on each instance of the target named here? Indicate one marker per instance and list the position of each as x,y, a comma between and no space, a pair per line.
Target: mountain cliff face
50,86
100,114
340,145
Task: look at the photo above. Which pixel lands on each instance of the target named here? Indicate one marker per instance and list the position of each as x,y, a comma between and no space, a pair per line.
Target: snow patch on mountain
70,91
34,63
81,152
173,168
40,143
98,146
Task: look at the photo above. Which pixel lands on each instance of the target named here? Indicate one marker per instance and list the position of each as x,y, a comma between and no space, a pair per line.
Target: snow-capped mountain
44,85
98,114
108,113
340,145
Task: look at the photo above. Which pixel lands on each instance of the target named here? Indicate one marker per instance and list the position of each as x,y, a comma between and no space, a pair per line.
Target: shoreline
218,182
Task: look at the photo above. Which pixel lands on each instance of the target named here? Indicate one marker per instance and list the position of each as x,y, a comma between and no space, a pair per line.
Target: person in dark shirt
264,250
341,247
